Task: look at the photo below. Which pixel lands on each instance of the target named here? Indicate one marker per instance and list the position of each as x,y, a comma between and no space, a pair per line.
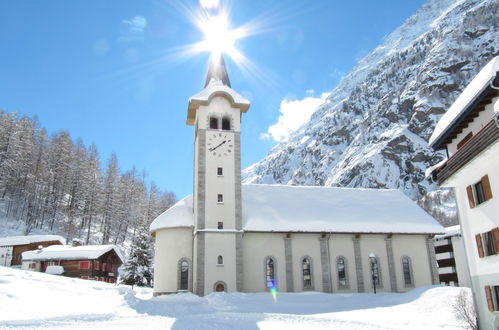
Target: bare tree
464,309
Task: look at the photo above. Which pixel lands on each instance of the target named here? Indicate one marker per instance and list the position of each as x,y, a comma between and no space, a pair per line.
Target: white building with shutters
228,236
469,132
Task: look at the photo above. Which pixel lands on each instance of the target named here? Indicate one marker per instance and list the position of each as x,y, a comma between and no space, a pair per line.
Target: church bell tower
216,113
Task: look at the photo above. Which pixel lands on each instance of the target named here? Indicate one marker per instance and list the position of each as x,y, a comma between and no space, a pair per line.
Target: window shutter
469,190
479,245
490,302
495,235
486,188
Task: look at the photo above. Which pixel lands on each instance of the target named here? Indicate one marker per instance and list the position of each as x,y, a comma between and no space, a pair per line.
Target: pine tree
139,268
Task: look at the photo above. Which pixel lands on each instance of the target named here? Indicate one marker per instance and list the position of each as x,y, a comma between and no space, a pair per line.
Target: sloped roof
68,252
279,208
23,240
217,70
474,89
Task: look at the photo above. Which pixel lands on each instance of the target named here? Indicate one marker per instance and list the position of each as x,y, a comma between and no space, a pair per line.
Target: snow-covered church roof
68,252
278,208
23,240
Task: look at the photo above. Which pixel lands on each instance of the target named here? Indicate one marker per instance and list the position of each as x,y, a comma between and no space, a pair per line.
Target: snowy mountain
373,129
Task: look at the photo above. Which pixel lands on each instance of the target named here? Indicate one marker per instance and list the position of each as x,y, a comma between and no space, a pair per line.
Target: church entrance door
220,287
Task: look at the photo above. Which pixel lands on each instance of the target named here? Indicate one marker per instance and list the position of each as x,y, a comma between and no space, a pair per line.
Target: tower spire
217,71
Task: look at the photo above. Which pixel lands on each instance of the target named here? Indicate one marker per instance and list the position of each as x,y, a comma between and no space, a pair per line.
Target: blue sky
111,71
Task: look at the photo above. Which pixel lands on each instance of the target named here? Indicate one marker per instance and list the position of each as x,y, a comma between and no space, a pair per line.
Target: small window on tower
220,225
220,198
226,124
220,171
214,123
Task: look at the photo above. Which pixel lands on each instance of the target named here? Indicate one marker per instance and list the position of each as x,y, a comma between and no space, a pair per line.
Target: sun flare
218,37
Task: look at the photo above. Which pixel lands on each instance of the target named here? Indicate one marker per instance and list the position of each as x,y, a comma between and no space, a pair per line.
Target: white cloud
294,113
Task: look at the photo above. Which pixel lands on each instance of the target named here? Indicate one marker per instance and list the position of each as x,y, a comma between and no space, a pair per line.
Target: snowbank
35,300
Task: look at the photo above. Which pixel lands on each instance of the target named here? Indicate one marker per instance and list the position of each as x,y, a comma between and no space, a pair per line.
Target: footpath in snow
30,300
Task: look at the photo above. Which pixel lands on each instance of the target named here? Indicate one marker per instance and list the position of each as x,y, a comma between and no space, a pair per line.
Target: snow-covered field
31,300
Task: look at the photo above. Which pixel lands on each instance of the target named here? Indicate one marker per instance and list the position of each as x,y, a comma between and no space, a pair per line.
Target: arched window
220,260
375,271
183,274
214,122
226,123
307,273
341,266
270,273
407,270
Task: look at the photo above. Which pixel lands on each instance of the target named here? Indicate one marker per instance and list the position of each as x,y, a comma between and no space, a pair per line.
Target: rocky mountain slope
373,129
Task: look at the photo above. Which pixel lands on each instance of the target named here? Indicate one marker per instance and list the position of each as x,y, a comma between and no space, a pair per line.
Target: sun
218,37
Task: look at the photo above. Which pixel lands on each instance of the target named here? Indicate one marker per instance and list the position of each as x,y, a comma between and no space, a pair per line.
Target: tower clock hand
213,149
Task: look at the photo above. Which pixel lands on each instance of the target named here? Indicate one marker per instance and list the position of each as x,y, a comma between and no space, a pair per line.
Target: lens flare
273,291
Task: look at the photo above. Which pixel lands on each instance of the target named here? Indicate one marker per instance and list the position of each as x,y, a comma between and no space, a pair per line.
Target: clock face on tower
220,144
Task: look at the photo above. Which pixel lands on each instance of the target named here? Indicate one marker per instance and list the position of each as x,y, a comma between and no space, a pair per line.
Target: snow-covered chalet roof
23,240
481,81
68,252
450,231
279,208
215,87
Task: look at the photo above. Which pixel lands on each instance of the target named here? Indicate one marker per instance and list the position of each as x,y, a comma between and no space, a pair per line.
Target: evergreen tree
139,268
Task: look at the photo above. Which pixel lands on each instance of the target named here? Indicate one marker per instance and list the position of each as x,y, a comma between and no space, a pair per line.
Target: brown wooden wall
19,249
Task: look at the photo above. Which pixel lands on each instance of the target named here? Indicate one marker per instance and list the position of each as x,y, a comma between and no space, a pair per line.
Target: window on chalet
492,293
220,225
32,265
479,192
85,265
220,171
220,198
488,243
226,124
84,277
220,260
53,263
213,122
97,265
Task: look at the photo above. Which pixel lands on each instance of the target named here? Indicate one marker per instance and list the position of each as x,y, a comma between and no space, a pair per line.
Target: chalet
469,133
89,262
12,247
451,258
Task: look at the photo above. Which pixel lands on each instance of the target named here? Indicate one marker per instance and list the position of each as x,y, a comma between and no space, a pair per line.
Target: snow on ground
34,300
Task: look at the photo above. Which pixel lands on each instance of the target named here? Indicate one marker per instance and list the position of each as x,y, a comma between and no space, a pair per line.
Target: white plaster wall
306,245
476,125
483,217
413,246
171,245
463,273
224,185
256,247
342,245
224,244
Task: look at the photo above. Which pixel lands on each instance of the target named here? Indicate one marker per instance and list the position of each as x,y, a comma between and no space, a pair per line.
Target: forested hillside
55,184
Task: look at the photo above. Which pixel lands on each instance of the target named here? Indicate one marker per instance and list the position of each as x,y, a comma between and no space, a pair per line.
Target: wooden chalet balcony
478,143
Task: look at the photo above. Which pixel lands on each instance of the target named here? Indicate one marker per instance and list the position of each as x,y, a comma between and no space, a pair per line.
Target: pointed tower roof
217,84
217,71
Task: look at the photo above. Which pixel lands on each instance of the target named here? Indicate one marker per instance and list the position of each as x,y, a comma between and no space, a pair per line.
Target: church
234,237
